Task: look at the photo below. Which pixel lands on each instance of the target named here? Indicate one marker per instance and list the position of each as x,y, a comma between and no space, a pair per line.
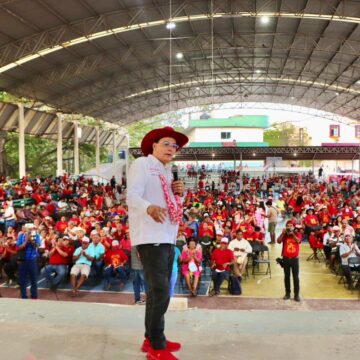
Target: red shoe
170,346
162,354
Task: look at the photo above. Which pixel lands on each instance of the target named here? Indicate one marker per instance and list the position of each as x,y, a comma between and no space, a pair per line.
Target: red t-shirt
57,259
221,257
61,226
290,248
250,235
311,220
115,257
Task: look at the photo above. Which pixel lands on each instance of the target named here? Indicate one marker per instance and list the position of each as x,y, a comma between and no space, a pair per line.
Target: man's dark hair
239,231
269,202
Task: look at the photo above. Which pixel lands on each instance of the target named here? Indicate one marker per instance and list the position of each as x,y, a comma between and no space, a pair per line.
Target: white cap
224,240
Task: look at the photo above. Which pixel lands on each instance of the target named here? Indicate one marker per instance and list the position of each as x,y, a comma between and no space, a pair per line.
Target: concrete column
127,154
114,153
234,165
76,149
241,172
59,154
21,119
97,151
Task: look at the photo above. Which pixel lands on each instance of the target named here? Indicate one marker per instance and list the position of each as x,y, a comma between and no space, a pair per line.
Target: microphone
175,172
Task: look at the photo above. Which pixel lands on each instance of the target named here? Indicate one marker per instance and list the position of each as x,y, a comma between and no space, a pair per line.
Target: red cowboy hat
157,134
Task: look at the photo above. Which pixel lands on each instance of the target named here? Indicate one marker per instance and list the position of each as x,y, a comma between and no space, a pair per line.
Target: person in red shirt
115,262
250,234
98,201
346,212
59,260
8,260
290,261
61,225
222,258
311,221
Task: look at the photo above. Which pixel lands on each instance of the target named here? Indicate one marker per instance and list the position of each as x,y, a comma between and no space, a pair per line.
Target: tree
41,155
138,129
286,134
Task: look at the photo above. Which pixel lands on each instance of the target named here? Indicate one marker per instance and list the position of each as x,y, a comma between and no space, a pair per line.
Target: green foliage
286,134
138,129
41,155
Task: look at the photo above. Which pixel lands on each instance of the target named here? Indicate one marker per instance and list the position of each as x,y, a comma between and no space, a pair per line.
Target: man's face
85,245
290,227
239,235
95,239
348,239
165,149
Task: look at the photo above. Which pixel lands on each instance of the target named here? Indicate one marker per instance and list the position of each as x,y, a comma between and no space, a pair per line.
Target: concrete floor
48,330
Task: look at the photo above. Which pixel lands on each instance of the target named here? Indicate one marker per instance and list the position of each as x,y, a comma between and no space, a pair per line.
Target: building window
357,131
225,135
334,131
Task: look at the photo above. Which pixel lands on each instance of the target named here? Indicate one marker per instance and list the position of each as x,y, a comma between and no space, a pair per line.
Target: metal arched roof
111,59
44,124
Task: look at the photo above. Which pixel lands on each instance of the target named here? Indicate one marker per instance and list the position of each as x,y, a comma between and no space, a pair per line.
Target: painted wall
214,135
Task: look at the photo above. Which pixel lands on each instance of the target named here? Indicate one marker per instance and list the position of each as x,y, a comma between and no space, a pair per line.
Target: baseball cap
115,243
224,240
336,228
219,232
85,240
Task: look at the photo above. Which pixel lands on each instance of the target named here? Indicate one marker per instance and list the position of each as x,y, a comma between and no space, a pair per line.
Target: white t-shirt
240,244
9,213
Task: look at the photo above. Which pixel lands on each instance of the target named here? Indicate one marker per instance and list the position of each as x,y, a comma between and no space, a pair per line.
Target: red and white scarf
174,210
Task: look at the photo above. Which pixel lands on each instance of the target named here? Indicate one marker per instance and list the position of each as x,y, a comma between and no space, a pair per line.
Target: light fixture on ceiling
358,82
179,55
212,154
337,94
292,97
258,71
170,25
295,154
264,20
254,154
197,88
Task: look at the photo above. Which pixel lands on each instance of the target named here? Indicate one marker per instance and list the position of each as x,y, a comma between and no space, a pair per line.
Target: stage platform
48,330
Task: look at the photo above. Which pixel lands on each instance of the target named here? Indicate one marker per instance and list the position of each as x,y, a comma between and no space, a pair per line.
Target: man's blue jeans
98,266
28,268
111,272
218,278
60,273
138,283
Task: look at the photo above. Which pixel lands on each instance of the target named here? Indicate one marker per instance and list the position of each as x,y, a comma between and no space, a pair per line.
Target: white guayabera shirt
145,189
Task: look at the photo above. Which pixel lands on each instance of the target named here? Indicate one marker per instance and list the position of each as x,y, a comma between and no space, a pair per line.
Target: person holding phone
290,252
27,245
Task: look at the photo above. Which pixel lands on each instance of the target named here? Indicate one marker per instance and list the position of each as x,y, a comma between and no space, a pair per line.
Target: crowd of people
73,228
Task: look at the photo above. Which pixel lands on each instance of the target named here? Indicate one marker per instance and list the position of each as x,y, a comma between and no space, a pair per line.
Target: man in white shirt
348,250
9,216
241,249
154,215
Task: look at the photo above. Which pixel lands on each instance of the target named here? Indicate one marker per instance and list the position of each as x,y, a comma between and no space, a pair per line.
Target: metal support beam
313,164
59,154
76,149
114,153
21,123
